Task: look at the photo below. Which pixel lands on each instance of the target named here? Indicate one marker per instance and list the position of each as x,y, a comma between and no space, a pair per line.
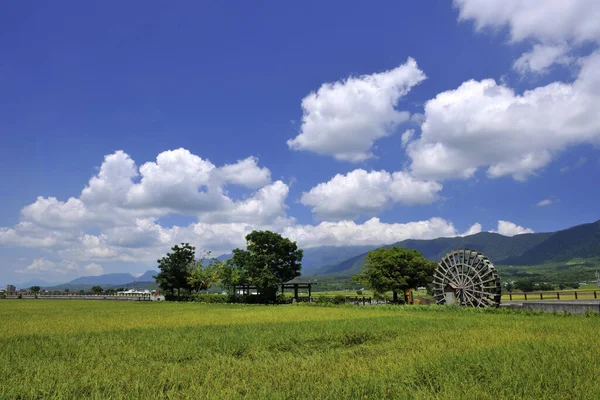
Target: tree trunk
395,300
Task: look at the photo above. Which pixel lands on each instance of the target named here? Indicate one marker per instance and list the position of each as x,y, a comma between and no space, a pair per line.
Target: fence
561,295
142,297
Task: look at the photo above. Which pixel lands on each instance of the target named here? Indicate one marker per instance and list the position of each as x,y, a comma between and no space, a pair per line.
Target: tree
35,289
396,269
524,285
66,290
268,261
203,273
510,287
174,269
97,289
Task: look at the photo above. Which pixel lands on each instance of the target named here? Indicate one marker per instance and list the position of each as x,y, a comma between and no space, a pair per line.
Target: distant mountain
147,276
316,258
106,279
581,241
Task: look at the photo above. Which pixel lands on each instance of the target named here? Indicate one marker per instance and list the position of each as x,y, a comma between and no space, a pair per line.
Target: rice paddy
104,349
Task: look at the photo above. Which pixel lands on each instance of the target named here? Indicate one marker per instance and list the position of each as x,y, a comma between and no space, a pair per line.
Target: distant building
11,288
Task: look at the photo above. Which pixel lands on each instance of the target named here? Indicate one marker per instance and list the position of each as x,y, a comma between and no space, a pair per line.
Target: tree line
270,260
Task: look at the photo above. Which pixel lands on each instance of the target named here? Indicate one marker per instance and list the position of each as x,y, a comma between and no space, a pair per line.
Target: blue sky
308,118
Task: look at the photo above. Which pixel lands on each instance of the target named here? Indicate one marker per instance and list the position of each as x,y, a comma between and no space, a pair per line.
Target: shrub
359,292
339,299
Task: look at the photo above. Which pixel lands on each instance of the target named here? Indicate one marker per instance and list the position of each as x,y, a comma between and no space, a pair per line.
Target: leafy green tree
268,261
35,289
67,290
232,276
396,269
203,273
174,269
524,285
574,285
509,287
97,289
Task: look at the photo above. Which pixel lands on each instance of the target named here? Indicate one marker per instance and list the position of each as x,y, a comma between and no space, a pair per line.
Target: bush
359,292
339,299
546,286
2,295
19,296
183,297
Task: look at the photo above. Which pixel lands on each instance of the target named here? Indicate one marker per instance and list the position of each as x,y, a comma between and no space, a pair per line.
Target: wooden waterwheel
467,278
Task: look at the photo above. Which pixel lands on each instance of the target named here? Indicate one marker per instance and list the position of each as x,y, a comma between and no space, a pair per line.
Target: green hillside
570,254
493,245
582,241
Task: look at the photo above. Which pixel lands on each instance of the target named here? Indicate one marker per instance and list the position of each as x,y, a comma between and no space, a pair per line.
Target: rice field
103,349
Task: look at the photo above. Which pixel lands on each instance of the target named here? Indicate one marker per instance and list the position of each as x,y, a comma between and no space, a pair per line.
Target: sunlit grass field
104,349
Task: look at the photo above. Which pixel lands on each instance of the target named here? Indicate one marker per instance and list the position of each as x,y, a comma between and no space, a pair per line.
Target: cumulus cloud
485,124
548,21
93,269
47,268
508,228
545,202
246,173
343,119
407,136
541,57
474,229
123,203
366,193
372,232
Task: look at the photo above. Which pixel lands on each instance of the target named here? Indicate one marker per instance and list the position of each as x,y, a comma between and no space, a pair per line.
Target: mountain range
582,241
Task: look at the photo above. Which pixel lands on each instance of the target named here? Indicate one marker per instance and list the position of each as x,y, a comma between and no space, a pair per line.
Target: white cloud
407,136
47,268
483,124
246,173
547,21
372,232
474,229
365,193
93,270
541,57
544,202
39,266
345,118
508,228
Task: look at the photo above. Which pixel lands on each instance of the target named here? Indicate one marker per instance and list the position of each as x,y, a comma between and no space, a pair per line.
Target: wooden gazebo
298,284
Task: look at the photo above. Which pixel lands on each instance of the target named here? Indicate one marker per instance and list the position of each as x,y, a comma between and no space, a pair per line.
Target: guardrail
553,295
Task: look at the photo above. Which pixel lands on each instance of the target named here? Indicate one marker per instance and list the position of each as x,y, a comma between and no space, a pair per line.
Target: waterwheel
467,278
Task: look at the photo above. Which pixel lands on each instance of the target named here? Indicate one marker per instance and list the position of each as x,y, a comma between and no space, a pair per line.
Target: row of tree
525,285
271,260
268,261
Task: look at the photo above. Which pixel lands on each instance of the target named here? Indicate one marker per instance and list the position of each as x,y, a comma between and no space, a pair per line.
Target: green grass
96,349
